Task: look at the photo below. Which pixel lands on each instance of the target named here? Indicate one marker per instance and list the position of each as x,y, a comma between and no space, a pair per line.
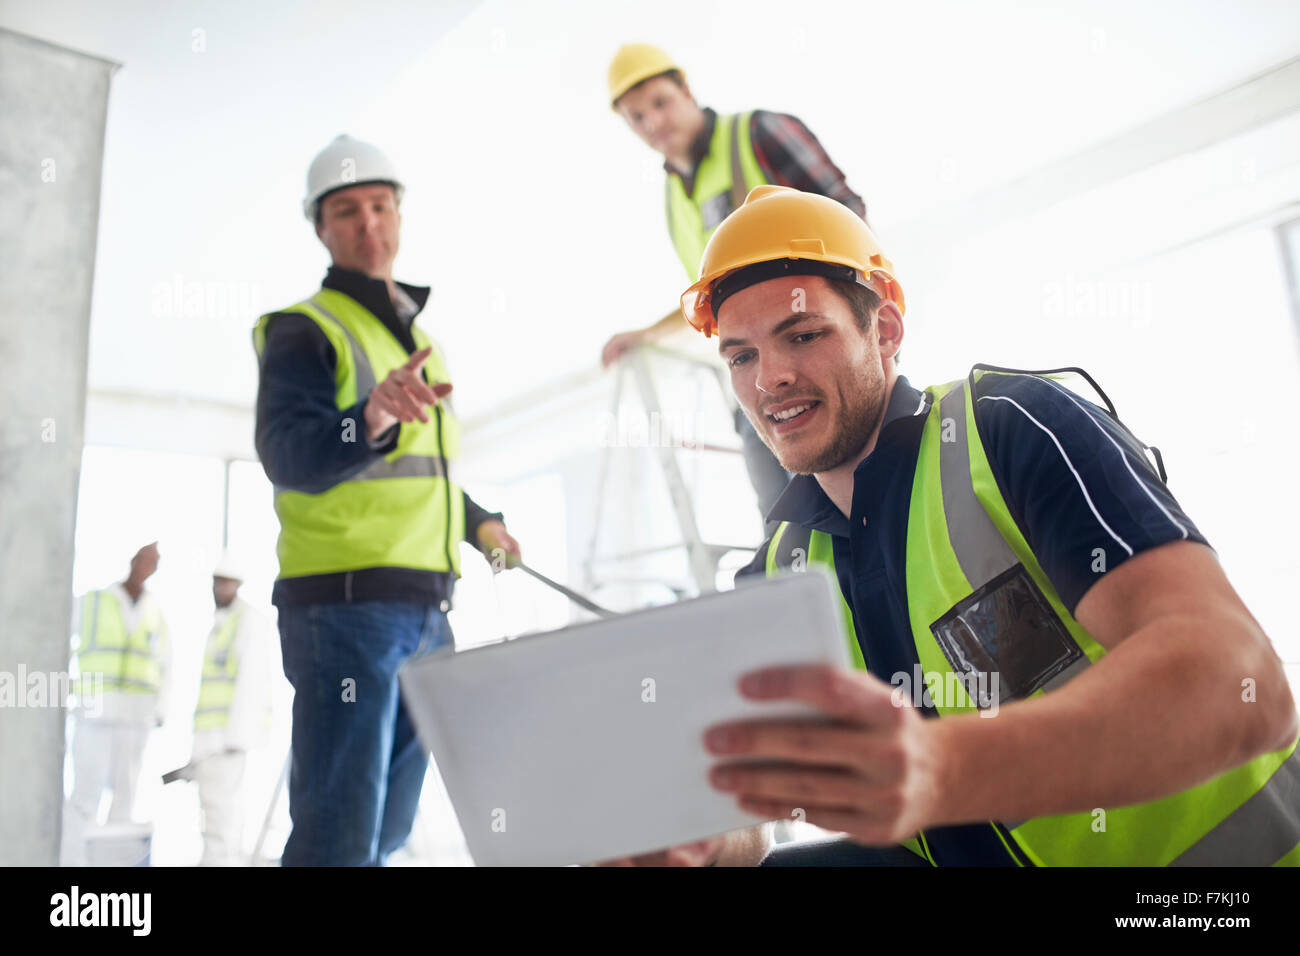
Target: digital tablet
585,744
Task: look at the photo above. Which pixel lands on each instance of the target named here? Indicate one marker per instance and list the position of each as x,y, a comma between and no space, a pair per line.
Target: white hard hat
228,567
347,162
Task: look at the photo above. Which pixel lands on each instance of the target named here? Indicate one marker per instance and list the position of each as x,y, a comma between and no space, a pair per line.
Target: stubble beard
861,407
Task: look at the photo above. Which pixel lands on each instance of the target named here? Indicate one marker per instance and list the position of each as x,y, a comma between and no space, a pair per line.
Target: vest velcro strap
1259,832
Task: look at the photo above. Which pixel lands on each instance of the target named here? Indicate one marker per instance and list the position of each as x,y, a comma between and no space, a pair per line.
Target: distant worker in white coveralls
233,714
121,653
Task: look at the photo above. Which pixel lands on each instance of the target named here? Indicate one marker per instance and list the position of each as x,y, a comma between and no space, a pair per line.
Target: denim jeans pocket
436,634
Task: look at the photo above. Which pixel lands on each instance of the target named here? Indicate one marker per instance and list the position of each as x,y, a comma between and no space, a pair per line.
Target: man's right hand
403,396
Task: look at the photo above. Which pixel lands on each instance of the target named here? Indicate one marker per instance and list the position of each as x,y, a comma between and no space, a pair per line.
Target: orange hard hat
790,233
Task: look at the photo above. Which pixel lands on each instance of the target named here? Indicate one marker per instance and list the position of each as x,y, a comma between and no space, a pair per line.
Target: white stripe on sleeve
1069,464
1146,489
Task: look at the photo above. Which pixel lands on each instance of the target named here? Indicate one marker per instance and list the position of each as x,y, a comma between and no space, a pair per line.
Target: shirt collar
373,293
700,147
805,503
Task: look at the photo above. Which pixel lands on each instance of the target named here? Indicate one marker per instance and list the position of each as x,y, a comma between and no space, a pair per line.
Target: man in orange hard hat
711,162
1009,552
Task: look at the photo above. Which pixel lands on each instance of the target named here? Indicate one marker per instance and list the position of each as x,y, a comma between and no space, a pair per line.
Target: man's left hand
495,542
870,772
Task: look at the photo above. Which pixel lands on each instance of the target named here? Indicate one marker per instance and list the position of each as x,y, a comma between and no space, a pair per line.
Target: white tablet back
585,744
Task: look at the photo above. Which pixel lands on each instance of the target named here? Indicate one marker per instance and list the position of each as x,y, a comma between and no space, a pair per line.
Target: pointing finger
418,358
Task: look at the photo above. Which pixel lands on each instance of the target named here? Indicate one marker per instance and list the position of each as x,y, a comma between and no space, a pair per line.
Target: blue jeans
357,766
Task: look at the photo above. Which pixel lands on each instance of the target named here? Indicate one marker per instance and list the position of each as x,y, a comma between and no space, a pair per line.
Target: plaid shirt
787,153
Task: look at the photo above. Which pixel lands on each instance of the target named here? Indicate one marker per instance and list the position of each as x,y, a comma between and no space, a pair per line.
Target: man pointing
354,431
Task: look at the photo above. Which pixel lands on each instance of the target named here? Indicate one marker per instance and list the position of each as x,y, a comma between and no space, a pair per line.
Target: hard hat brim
309,206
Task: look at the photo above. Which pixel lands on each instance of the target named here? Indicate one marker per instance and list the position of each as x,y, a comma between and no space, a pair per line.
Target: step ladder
637,365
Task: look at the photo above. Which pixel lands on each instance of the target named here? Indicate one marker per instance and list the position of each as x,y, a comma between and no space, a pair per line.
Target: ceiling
535,214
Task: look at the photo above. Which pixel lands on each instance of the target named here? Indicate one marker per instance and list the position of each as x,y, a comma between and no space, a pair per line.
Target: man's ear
889,329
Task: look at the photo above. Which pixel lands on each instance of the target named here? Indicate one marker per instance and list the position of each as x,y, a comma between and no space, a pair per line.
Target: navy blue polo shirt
1073,479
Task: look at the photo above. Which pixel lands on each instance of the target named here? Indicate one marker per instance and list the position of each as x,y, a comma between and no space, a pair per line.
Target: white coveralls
221,753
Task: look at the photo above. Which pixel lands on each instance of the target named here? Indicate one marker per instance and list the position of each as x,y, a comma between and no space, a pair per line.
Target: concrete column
52,112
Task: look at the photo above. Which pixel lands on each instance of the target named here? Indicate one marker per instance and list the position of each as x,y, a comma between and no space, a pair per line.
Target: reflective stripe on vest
966,558
128,663
692,219
401,510
966,554
220,670
791,548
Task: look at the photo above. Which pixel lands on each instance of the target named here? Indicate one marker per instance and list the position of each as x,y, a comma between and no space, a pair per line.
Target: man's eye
738,360
805,337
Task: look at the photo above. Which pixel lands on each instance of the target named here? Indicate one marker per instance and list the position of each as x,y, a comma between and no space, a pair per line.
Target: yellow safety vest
130,663
220,670
964,548
730,160
403,510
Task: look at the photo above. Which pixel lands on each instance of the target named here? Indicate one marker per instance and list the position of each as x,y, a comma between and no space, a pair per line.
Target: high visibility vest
220,670
966,557
401,511
692,219
128,663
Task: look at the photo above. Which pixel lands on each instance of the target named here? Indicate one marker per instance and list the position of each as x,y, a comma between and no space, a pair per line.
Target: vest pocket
1006,636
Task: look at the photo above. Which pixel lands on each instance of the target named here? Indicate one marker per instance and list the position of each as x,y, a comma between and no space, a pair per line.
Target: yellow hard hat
790,233
633,63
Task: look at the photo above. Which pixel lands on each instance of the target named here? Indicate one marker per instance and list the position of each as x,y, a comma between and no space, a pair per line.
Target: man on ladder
711,163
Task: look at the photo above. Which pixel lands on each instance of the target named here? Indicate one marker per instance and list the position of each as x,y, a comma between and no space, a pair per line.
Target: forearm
671,323
1162,712
790,155
746,847
311,452
305,441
